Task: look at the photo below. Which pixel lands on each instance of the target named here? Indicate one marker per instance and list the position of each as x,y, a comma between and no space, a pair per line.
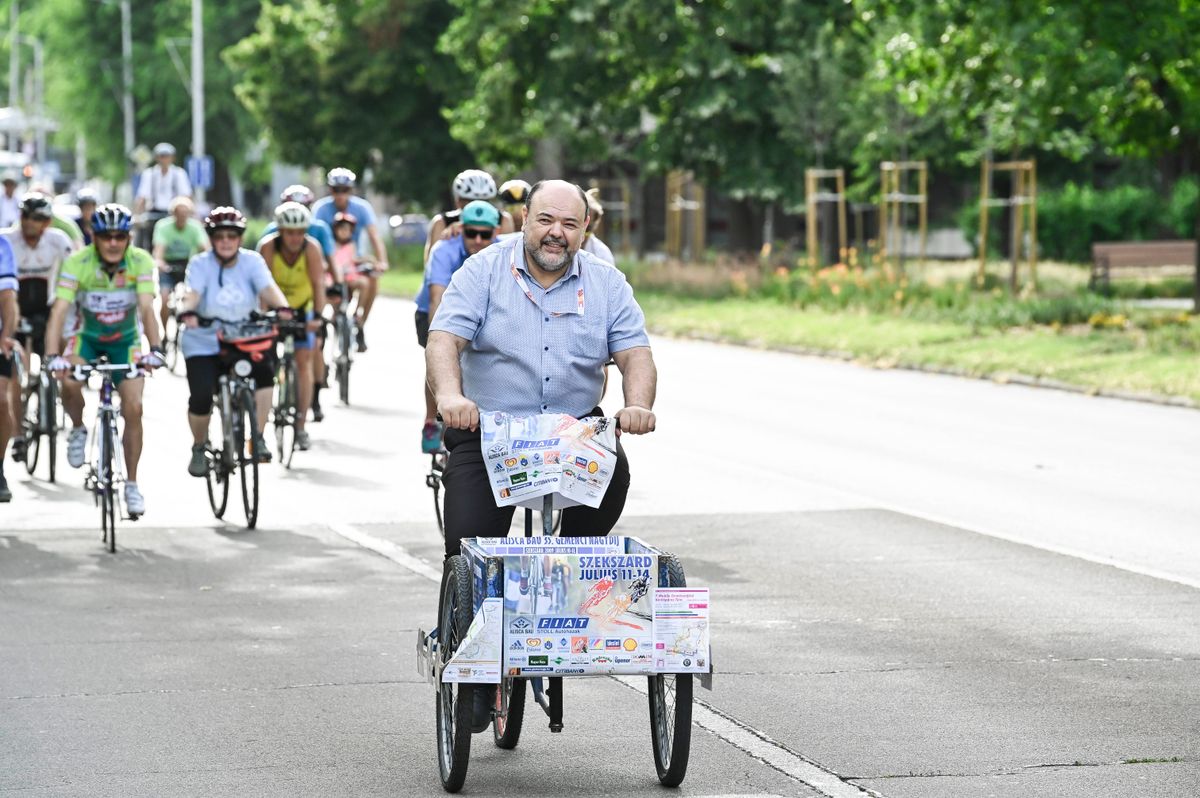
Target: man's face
32,227
165,160
553,230
112,245
86,210
476,238
341,197
9,187
181,215
292,240
225,243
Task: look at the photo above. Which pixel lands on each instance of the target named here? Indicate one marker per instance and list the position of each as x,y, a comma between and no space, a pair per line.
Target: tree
356,84
84,88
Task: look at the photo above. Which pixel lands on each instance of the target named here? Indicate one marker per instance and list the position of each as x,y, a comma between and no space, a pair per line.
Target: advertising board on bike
528,457
577,614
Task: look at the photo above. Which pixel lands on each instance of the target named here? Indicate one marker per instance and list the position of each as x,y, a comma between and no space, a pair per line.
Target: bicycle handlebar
83,370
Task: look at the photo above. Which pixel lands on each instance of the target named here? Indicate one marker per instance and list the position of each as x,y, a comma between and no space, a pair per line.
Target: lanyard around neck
579,304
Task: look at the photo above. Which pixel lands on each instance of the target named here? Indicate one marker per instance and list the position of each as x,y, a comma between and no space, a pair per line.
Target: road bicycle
39,393
345,334
285,410
106,458
242,344
173,331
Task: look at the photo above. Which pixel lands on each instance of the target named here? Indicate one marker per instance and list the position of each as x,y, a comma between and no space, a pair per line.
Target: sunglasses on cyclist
340,189
226,235
113,236
486,235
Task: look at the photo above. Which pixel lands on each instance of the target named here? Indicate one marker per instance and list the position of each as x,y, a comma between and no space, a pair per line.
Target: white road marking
392,551
740,735
751,741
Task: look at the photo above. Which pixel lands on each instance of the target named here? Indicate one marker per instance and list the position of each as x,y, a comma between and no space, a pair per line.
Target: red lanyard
516,273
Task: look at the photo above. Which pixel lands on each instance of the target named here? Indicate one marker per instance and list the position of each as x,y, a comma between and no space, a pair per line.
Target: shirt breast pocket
589,337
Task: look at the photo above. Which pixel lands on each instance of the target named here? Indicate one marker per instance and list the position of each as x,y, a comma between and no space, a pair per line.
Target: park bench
1125,256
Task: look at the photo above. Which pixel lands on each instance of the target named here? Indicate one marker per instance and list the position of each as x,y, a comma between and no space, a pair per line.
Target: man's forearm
443,373
54,328
639,377
8,313
380,249
150,320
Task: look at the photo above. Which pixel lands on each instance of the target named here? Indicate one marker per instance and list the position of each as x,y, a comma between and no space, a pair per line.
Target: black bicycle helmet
36,205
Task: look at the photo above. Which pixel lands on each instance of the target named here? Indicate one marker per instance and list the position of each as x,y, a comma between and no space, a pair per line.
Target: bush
1072,218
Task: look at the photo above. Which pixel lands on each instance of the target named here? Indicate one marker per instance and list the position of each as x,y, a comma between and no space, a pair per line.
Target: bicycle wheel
454,701
50,429
104,484
506,730
671,711
285,413
345,341
31,429
247,457
171,338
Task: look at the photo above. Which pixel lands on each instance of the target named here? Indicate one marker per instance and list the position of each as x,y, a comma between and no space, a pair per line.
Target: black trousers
471,511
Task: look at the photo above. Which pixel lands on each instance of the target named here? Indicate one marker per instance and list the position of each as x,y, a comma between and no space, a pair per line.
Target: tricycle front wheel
454,701
671,711
506,728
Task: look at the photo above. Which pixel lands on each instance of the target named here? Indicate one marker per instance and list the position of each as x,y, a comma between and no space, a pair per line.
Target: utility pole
197,88
127,76
14,67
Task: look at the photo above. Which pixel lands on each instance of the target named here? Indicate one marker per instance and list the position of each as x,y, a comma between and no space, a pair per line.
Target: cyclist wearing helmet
8,326
317,229
39,252
512,198
472,184
176,239
87,200
341,199
110,284
226,283
298,267
479,223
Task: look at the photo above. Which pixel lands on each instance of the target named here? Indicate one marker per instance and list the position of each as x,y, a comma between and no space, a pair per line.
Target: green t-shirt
67,226
180,245
107,306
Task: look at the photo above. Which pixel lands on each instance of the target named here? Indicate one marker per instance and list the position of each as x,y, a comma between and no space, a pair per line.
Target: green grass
1113,360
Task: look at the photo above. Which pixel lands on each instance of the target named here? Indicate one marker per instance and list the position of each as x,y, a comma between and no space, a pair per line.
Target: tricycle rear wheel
454,701
671,711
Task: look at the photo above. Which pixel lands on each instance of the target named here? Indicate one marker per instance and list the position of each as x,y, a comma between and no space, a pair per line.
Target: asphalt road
923,586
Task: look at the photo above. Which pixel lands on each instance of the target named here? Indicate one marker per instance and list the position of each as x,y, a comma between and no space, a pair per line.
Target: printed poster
575,614
478,657
529,457
681,630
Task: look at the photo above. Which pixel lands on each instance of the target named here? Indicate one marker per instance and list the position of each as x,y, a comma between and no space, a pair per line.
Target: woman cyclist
226,283
298,266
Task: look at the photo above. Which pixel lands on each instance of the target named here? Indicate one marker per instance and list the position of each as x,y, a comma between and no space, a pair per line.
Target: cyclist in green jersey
110,285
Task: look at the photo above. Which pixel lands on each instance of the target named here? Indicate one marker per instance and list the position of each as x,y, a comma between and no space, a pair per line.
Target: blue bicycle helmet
112,218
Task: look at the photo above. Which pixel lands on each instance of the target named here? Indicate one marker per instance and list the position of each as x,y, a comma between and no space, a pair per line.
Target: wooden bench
1110,256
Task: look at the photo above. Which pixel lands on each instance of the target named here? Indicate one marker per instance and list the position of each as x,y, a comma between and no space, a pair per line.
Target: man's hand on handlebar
58,365
458,412
635,420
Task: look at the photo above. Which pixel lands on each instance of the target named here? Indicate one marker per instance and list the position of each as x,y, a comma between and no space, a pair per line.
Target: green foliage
355,83
83,76
1074,217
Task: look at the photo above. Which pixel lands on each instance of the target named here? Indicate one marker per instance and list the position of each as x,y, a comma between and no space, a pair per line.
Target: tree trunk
548,159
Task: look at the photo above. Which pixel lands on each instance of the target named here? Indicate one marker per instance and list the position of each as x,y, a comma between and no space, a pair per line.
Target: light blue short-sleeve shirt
8,266
445,259
545,352
228,293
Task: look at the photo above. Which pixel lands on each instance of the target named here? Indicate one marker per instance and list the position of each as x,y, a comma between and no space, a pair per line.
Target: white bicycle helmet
474,184
292,216
340,176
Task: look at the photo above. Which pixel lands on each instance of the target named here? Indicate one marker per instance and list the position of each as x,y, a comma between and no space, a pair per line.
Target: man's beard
548,262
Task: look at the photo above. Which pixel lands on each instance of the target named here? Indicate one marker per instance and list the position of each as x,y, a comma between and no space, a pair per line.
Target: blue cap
479,213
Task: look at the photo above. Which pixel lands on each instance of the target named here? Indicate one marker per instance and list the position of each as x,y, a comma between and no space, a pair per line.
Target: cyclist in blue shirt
341,182
8,328
479,222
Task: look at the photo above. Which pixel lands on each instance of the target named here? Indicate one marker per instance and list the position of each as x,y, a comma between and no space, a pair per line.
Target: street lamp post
197,89
14,66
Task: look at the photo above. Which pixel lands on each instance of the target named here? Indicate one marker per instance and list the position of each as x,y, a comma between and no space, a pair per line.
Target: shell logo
630,644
